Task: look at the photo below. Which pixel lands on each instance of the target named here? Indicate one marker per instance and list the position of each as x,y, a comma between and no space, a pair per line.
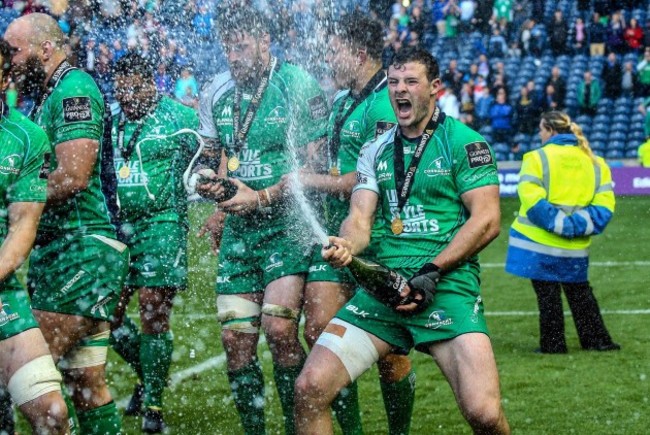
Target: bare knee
311,389
279,330
47,414
241,348
485,417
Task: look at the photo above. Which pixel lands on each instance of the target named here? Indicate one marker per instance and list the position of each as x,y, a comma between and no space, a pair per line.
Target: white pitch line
566,313
591,263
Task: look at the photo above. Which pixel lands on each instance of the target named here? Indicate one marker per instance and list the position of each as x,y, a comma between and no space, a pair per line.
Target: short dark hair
133,63
7,52
360,31
419,55
235,19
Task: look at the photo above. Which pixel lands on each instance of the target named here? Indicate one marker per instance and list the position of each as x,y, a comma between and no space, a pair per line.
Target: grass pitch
581,392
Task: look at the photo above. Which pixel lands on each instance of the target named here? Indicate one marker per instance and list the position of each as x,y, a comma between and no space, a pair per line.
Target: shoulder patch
382,127
317,107
44,172
77,109
478,154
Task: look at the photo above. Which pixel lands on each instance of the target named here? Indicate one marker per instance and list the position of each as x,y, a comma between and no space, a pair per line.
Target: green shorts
251,258
79,275
158,254
320,270
15,312
457,309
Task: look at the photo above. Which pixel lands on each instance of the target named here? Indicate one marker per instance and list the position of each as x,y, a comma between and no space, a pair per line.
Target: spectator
467,104
597,36
448,102
472,74
527,111
643,71
453,77
612,77
501,118
483,100
558,83
498,76
451,19
467,9
118,50
164,81
483,66
89,56
629,81
187,88
526,36
634,36
202,22
615,33
550,237
579,41
558,34
438,10
503,9
602,7
550,101
589,94
497,46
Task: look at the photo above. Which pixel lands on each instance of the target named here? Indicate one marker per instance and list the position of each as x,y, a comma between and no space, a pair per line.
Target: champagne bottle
386,284
230,189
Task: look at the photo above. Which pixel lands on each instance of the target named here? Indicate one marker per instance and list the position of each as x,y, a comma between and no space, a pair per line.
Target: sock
398,401
6,413
346,409
247,386
125,340
155,357
73,421
285,380
104,420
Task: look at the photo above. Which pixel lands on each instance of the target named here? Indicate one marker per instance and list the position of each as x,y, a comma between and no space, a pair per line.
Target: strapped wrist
427,268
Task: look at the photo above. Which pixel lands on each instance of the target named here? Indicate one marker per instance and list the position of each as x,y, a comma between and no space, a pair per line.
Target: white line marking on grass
566,313
592,263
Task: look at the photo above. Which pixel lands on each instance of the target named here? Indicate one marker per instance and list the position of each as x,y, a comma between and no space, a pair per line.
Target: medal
334,171
124,172
397,226
233,163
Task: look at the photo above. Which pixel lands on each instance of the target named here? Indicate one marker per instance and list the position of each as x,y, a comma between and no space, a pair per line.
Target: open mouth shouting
404,107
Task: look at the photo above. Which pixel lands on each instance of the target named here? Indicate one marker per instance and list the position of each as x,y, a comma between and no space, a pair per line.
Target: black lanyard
335,139
404,182
60,71
240,132
127,151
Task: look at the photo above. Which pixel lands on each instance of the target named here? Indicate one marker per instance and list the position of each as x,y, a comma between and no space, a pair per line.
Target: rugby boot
152,421
135,404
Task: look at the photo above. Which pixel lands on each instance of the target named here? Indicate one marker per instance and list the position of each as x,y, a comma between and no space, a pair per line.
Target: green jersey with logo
75,110
369,120
456,160
292,113
152,186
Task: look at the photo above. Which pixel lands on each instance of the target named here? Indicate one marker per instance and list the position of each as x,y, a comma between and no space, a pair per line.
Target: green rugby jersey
292,113
456,160
158,168
369,120
23,169
75,110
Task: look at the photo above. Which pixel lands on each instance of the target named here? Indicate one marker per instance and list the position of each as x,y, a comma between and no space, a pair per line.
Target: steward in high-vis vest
566,197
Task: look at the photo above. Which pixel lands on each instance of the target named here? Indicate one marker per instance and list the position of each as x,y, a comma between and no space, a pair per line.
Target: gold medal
334,171
397,226
124,172
233,163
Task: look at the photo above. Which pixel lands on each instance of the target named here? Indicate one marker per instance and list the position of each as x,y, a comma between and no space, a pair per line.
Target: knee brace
351,345
238,314
90,352
34,379
280,311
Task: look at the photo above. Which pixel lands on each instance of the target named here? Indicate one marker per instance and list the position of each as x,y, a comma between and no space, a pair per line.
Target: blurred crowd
480,45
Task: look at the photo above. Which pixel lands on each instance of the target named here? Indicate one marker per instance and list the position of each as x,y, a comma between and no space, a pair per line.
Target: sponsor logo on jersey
148,270
275,261
413,217
9,165
382,172
382,127
357,311
436,168
352,129
318,268
382,166
251,166
44,172
136,176
223,279
276,116
317,107
437,319
478,154
361,179
225,118
101,305
70,283
77,109
6,314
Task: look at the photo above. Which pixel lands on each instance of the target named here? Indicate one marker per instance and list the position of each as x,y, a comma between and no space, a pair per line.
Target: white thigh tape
34,379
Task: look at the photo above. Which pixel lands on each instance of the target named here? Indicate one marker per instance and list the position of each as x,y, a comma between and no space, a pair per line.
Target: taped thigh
90,352
351,345
238,314
280,311
34,379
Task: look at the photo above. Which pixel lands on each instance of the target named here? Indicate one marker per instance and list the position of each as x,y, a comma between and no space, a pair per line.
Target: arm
23,223
76,160
481,228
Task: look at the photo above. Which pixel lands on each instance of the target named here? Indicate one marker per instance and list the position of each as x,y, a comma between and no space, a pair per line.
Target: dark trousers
592,332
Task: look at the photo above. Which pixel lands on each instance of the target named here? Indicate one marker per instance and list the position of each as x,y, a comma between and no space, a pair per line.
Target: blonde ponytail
561,123
583,143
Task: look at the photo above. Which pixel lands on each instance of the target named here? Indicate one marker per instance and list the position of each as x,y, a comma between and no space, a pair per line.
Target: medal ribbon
241,131
334,142
404,182
128,150
60,71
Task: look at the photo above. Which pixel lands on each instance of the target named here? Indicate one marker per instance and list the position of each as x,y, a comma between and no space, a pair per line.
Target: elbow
493,230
